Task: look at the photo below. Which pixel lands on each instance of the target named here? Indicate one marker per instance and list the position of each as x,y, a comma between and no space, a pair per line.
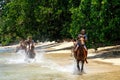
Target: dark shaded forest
60,19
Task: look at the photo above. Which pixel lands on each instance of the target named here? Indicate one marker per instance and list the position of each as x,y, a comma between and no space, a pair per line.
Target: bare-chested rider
30,44
21,46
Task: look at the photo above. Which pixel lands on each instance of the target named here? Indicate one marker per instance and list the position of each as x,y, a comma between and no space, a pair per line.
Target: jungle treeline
60,19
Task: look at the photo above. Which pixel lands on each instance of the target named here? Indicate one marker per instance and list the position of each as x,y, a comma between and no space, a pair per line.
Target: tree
60,19
80,17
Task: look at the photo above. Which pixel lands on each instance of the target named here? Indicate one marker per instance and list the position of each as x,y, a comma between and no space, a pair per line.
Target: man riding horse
28,46
81,39
22,46
80,50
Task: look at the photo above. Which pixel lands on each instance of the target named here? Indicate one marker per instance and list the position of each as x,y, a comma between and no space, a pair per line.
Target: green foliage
80,17
60,19
100,18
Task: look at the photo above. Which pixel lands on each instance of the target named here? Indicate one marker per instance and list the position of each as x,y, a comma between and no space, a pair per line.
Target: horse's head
82,40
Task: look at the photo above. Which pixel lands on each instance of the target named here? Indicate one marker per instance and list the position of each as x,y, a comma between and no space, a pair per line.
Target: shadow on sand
53,45
113,52
107,55
48,45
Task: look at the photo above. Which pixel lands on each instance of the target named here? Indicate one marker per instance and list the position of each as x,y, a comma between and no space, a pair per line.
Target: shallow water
14,67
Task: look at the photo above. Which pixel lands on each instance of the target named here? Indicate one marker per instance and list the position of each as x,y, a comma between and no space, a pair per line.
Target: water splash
19,58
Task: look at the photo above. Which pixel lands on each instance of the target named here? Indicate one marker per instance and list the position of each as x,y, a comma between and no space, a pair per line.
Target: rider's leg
76,47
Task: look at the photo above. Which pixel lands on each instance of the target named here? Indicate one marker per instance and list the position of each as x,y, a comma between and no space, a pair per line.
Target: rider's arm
33,43
86,38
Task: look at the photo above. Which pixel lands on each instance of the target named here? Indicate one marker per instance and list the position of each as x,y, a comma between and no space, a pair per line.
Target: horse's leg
78,65
86,55
82,66
17,49
86,60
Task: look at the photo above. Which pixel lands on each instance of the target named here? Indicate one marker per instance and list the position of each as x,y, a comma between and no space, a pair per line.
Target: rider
22,45
81,36
22,42
30,53
29,42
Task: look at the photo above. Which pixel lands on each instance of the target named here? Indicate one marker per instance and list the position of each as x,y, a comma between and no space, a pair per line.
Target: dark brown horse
81,55
28,48
30,52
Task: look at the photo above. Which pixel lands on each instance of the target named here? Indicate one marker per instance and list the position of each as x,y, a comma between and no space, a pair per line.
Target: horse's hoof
83,72
80,73
77,73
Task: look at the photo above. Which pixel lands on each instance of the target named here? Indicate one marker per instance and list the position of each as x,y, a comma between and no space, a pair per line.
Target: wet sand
94,70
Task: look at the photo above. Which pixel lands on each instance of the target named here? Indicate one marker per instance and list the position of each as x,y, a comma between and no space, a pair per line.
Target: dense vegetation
59,19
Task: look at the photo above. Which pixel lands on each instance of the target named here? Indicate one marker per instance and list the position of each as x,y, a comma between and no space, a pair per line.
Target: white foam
40,59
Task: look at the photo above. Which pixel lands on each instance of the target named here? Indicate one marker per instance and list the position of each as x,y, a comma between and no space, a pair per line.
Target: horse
28,49
80,55
30,52
22,46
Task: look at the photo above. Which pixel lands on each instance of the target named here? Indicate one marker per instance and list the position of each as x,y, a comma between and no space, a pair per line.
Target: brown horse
80,55
30,52
28,48
22,46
